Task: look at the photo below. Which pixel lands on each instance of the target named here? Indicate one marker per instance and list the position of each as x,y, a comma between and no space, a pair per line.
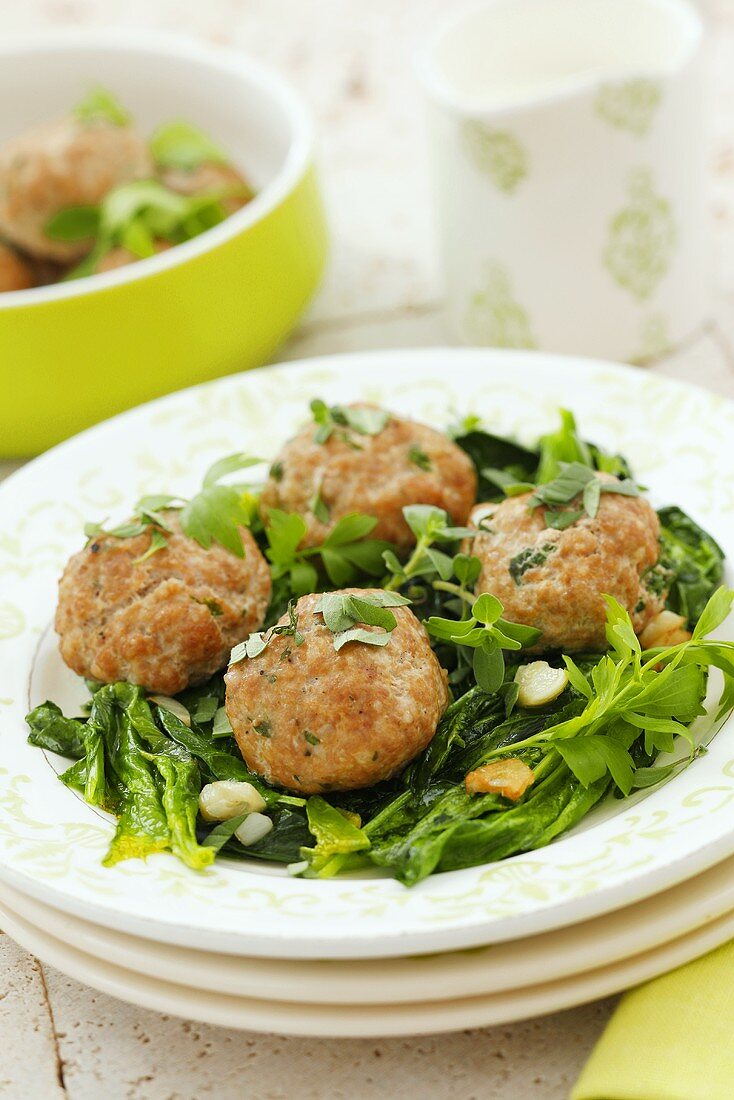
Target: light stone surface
352,62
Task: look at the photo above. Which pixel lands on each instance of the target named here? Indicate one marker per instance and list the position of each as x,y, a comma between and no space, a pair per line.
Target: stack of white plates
642,885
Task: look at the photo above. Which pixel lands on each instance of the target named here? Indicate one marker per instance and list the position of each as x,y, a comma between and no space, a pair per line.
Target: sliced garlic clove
229,798
253,828
664,629
539,683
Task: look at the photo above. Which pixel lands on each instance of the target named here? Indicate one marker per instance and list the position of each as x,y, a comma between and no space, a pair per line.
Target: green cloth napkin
672,1039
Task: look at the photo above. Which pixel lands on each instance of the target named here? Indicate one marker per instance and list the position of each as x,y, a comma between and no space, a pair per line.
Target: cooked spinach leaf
691,564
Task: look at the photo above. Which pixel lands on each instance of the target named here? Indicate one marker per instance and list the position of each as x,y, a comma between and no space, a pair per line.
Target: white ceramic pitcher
568,150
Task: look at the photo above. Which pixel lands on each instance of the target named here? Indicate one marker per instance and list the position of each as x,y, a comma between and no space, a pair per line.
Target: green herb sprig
429,525
576,480
488,634
344,612
342,421
345,553
214,514
259,640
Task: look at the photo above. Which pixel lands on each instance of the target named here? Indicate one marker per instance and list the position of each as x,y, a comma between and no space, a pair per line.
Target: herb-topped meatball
358,458
555,579
164,619
67,163
315,718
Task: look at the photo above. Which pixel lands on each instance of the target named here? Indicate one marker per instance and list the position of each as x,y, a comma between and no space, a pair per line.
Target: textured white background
351,60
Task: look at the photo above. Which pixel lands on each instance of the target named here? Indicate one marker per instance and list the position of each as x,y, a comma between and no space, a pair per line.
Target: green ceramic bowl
74,353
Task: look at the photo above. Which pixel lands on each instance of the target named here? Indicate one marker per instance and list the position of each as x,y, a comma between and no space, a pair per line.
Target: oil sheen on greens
601,737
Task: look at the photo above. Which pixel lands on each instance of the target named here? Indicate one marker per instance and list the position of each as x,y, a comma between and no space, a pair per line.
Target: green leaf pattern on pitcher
629,105
494,318
497,153
655,339
642,239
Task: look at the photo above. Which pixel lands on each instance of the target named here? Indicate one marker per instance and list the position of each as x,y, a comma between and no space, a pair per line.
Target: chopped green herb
419,458
258,641
312,738
221,727
340,420
573,480
212,606
532,557
342,612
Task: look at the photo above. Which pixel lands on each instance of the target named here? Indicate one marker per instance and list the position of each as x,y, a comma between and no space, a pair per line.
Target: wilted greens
601,735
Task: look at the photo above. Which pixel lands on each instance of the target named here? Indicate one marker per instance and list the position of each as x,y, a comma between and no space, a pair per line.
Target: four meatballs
306,715
62,164
166,621
554,580
313,719
403,463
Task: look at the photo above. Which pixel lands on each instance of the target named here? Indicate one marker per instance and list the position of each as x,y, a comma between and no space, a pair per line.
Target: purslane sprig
430,525
488,634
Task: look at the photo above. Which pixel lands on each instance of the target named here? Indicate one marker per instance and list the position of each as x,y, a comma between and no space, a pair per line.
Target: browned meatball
15,274
405,463
555,580
65,163
314,719
209,176
166,622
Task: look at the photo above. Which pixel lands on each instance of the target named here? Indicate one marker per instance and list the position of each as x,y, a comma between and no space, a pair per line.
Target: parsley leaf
216,514
658,692
228,465
345,552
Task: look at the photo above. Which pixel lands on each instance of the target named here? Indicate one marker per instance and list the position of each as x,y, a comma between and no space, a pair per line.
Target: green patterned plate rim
52,843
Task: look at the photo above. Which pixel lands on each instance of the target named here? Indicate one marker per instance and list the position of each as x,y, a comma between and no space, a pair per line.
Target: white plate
477,971
360,1020
51,843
